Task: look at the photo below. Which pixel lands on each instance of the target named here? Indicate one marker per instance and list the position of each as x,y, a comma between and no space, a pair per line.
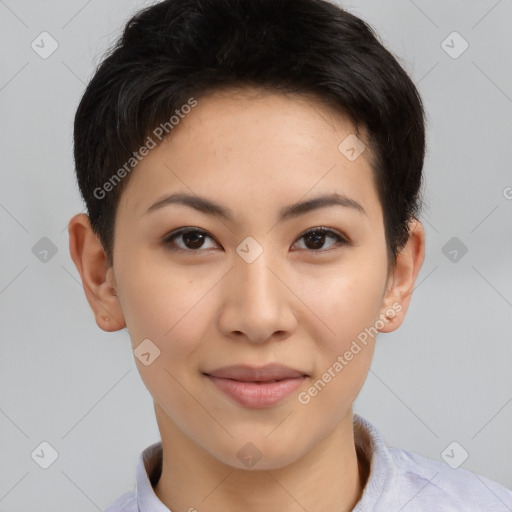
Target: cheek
347,300
162,304
349,305
165,307
172,309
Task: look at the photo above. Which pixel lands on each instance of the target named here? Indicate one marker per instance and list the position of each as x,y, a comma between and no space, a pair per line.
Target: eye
315,238
191,238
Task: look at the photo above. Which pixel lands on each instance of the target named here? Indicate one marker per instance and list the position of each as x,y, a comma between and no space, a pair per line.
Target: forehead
254,147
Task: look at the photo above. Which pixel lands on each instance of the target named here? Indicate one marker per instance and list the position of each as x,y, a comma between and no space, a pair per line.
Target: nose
257,303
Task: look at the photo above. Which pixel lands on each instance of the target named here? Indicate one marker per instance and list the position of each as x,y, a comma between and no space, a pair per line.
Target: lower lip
257,394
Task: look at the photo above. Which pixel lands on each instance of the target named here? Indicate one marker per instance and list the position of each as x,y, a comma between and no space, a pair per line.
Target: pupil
318,240
193,240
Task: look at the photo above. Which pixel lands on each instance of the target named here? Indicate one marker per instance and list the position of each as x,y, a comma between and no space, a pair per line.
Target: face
255,282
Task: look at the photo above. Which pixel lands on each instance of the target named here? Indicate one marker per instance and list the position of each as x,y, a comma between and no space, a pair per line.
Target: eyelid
167,239
326,230
342,239
339,236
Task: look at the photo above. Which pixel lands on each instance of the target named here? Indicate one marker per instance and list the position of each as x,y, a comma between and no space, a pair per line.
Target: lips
245,373
256,387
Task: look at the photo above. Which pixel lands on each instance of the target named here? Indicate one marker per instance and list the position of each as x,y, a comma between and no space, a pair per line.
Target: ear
402,278
98,277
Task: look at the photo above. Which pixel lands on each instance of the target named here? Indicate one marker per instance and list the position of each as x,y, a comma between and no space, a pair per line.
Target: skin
254,153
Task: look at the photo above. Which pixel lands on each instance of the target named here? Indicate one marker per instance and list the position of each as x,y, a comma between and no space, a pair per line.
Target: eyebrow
210,207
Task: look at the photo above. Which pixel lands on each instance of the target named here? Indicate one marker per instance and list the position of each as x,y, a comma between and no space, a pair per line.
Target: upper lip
247,373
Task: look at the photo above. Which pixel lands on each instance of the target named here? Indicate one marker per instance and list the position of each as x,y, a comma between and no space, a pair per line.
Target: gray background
444,376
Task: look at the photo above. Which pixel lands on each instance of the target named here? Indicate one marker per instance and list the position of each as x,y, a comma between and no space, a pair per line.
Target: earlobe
97,276
403,278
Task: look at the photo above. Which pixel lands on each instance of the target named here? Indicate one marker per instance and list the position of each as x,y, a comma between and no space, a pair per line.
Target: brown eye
314,239
196,240
191,240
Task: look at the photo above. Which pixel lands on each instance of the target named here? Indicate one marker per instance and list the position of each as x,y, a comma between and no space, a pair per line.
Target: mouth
247,373
256,387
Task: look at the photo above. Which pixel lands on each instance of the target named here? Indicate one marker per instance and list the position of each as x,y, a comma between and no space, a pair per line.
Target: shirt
399,480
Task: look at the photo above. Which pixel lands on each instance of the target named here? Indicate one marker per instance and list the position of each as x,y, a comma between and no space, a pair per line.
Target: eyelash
168,241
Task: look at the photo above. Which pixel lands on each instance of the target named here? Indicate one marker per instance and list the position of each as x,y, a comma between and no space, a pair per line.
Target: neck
330,477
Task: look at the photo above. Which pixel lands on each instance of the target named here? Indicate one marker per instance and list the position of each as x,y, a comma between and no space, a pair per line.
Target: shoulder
430,482
126,503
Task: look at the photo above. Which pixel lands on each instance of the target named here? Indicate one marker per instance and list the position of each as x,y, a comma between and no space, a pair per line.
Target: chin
257,455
